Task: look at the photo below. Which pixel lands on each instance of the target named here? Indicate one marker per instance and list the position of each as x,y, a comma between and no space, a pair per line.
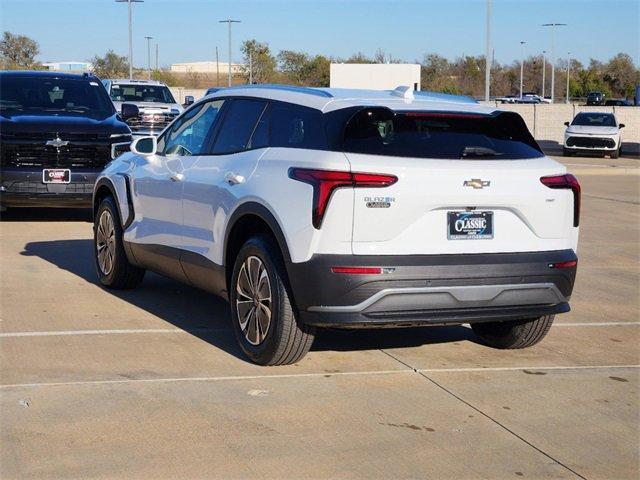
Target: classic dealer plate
56,175
469,225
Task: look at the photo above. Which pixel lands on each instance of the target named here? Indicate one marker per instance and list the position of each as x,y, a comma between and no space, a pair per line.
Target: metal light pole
217,69
487,60
229,22
149,56
156,56
521,66
544,67
568,70
130,34
250,68
553,55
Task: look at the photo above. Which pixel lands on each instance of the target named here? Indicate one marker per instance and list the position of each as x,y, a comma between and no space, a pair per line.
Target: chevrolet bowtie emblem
57,142
476,183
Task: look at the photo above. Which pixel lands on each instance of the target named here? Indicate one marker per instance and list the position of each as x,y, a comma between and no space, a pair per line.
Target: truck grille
39,187
30,150
591,142
151,121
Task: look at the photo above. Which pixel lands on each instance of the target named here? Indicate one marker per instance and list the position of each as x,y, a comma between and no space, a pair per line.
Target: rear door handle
233,178
177,177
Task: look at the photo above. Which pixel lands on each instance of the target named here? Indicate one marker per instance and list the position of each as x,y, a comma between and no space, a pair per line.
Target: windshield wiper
479,152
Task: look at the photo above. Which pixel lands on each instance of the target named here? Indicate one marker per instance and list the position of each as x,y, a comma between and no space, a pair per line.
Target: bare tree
18,51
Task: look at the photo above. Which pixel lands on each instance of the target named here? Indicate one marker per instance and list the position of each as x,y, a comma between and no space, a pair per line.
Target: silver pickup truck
156,106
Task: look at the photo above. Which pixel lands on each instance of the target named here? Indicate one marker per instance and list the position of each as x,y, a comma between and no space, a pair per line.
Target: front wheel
112,264
513,334
615,154
566,152
263,318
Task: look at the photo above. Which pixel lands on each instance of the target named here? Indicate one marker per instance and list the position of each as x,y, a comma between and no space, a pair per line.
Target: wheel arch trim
120,188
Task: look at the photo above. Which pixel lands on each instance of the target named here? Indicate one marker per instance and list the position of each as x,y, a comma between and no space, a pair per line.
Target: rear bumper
432,289
24,188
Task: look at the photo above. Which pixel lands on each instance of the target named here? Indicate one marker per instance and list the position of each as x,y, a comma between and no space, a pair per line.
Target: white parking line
310,375
110,332
124,331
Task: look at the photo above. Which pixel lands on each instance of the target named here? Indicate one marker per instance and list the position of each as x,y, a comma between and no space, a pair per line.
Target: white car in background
309,208
593,132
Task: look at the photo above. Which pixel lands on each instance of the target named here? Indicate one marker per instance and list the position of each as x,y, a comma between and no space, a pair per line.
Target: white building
374,76
206,67
69,66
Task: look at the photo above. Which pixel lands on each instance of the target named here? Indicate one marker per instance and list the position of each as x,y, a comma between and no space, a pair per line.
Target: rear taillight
324,182
567,264
567,181
357,270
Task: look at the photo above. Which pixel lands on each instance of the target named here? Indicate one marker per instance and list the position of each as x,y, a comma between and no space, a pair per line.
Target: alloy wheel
106,242
253,300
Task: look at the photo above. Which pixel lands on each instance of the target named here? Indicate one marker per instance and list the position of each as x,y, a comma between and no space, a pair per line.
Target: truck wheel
513,334
566,152
112,264
263,318
615,154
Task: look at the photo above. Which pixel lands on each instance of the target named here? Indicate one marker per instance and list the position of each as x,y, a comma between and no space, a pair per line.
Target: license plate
56,175
469,225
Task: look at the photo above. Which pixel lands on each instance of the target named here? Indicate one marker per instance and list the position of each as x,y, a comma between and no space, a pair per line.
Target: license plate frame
476,225
56,175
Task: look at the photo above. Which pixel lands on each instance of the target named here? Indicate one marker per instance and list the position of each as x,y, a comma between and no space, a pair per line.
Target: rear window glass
238,125
379,131
296,127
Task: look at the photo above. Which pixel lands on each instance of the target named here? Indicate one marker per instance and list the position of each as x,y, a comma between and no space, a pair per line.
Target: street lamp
568,69
553,54
149,56
229,22
521,66
487,62
544,67
130,34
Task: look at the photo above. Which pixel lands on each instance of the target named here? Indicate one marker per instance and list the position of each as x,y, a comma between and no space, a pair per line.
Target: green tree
318,73
18,51
621,75
263,62
294,65
111,65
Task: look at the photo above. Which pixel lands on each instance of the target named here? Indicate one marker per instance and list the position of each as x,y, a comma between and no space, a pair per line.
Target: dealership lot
150,383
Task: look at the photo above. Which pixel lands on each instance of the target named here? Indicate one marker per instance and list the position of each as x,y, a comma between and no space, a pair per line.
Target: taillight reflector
357,270
324,182
567,181
568,264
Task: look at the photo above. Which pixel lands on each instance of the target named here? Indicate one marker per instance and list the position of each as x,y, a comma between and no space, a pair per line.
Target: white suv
314,208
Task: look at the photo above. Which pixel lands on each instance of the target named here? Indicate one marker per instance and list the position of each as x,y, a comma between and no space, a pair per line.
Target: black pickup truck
57,132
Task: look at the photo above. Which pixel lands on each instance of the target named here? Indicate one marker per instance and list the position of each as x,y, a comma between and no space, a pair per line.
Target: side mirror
188,100
566,123
128,111
144,146
621,125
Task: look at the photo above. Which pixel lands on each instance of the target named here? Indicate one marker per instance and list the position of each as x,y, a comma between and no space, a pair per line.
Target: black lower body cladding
432,289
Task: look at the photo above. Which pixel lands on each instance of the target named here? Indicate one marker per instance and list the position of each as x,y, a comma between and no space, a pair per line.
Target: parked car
595,98
156,106
536,97
593,132
618,102
508,99
310,208
57,132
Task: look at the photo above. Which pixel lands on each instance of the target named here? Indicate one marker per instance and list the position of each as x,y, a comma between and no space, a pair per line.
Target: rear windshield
52,96
141,93
379,131
594,120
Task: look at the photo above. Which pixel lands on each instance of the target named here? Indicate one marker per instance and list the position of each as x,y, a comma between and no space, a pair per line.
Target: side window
294,126
188,135
238,125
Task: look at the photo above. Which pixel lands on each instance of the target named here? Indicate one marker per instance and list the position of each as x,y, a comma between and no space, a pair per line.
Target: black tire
283,340
119,274
615,154
566,153
513,334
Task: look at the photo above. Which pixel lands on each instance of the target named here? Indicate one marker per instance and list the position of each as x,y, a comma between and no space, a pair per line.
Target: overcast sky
188,30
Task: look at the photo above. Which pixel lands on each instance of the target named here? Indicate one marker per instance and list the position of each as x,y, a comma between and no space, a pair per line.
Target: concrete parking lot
150,383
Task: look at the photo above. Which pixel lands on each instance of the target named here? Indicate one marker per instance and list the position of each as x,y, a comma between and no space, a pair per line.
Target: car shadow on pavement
207,317
46,215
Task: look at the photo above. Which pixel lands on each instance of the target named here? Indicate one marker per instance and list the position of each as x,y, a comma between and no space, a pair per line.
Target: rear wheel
263,318
513,334
112,264
566,153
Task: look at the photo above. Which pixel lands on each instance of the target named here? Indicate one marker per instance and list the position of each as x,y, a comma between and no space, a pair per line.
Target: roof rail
287,88
447,97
